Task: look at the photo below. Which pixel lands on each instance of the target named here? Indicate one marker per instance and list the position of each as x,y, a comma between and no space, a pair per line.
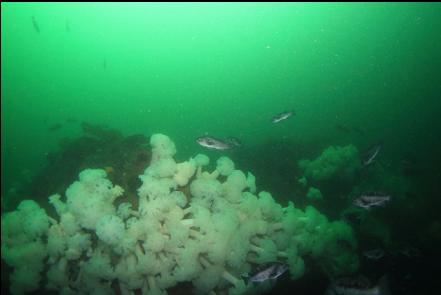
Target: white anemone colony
210,236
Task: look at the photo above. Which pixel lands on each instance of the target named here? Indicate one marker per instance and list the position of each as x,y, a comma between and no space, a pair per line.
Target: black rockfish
214,143
374,254
371,153
358,286
268,271
35,25
372,199
282,116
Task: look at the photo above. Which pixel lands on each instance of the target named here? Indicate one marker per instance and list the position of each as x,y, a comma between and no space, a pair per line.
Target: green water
222,69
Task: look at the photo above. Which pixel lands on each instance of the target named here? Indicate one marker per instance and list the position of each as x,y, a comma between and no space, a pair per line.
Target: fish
282,116
213,143
410,252
353,218
343,128
371,199
71,120
349,130
55,127
359,285
374,254
270,271
35,25
371,153
359,131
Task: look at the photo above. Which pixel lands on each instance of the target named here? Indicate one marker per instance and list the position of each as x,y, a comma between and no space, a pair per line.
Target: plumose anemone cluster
335,161
189,225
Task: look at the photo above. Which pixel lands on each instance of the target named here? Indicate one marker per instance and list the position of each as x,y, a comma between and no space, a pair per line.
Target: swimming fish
374,254
269,271
359,130
358,286
282,116
214,143
372,152
35,24
343,128
71,120
410,252
55,127
349,130
371,199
